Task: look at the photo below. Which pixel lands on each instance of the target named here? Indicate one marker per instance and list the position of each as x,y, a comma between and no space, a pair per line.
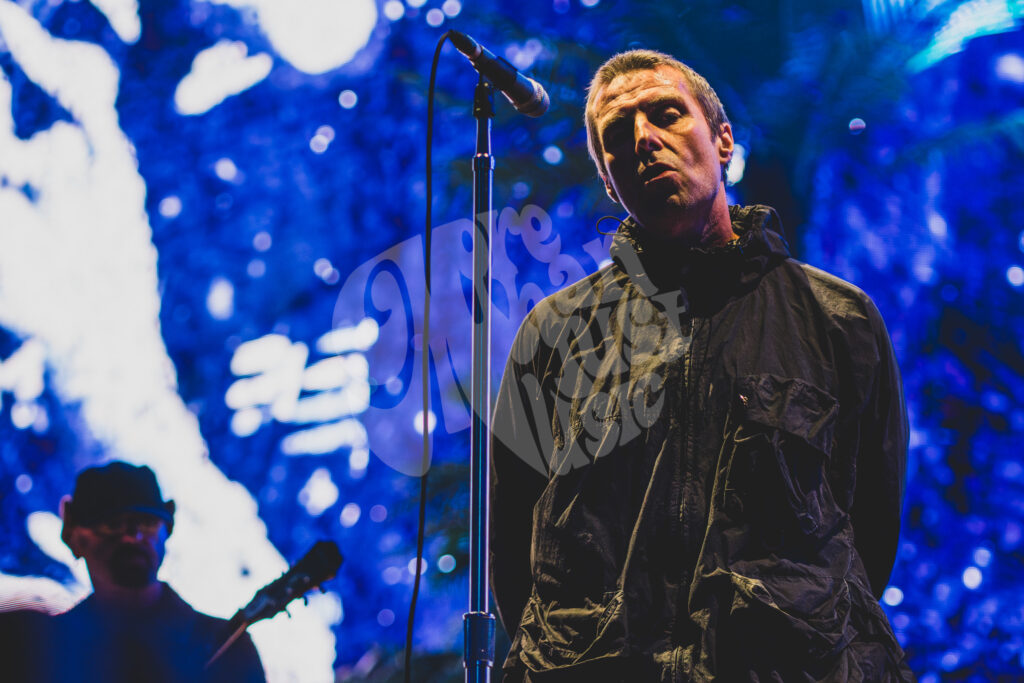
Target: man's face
124,551
664,165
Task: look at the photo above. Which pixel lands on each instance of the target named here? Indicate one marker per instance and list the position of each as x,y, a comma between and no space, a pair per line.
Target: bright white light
349,515
451,7
982,557
22,373
352,399
328,606
23,483
218,72
523,56
385,617
42,423
347,99
394,10
1010,67
937,225
418,421
170,206
737,166
315,36
892,596
589,3
358,460
972,577
319,493
23,414
968,21
922,265
276,365
262,241
392,575
322,140
246,422
416,3
321,265
257,355
319,144
123,16
445,563
344,339
857,126
256,268
225,169
552,155
337,372
220,299
435,17
1015,276
411,568
325,439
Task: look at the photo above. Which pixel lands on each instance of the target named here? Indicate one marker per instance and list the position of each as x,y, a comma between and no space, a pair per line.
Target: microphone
525,94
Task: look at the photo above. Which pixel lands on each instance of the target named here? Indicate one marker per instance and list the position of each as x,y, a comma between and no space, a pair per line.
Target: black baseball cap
104,492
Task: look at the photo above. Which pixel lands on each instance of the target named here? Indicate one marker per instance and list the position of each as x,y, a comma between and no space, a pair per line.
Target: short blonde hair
643,60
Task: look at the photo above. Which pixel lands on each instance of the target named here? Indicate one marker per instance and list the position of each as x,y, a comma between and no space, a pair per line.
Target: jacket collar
713,274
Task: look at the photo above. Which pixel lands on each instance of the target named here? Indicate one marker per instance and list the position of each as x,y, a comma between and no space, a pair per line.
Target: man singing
698,453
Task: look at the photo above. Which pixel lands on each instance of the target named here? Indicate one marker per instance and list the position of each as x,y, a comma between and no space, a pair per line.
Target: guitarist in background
133,627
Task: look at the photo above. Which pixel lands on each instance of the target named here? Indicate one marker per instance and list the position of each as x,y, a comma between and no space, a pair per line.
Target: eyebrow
658,102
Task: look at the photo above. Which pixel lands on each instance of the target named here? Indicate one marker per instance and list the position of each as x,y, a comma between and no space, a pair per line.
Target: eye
667,116
615,135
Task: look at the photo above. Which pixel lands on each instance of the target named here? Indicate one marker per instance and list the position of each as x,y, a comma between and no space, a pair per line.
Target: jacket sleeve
519,431
880,465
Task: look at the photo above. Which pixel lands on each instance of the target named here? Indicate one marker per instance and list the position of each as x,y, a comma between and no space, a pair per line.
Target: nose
646,134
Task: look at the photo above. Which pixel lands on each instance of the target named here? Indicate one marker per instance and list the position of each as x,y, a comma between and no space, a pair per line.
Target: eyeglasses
147,525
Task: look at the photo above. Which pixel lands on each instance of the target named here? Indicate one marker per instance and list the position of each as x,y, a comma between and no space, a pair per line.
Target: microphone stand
478,623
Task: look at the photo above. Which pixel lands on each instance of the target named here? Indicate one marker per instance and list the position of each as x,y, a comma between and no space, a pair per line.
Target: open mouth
656,172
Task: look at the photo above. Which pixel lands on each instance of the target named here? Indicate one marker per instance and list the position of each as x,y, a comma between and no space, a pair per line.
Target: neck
120,596
695,228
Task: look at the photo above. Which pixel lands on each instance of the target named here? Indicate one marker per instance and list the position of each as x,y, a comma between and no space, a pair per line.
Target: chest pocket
777,473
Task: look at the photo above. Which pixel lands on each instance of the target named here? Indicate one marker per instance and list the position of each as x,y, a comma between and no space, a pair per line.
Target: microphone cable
425,358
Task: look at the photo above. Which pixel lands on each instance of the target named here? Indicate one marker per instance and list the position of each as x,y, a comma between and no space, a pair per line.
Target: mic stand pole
478,623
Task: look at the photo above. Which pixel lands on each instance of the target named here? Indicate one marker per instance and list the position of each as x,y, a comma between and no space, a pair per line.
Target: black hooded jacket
697,472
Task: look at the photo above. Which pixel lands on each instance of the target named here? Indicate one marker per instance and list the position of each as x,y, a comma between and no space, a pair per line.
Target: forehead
633,90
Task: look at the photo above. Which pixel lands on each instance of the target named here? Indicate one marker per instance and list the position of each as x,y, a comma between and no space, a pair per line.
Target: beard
132,567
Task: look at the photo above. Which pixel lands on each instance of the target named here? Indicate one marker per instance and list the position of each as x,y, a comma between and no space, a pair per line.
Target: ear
726,144
67,531
609,189
170,507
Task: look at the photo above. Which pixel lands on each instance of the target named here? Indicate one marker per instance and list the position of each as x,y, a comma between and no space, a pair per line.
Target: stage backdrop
211,262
